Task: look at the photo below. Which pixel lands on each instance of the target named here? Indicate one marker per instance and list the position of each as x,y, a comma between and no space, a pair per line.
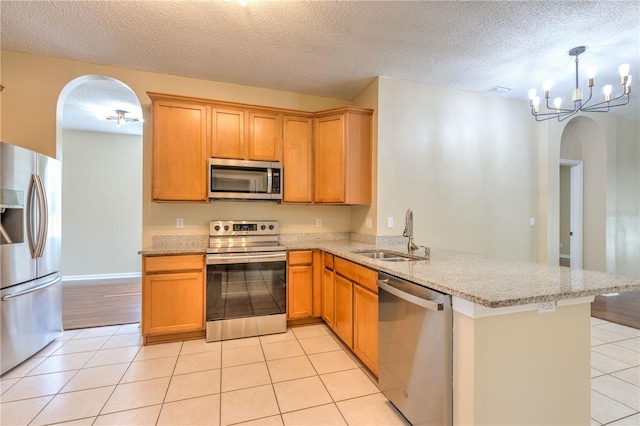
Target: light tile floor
103,376
615,374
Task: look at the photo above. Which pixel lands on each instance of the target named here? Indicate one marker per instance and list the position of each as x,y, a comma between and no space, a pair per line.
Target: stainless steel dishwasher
415,342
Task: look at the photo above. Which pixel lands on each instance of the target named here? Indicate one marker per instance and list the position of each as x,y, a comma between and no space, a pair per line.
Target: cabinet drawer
301,257
328,260
173,263
364,276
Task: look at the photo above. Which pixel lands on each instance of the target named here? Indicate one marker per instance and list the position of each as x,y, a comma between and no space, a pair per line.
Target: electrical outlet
546,307
318,222
532,221
179,223
367,223
389,222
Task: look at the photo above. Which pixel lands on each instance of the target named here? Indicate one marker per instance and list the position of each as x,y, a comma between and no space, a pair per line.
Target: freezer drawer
30,318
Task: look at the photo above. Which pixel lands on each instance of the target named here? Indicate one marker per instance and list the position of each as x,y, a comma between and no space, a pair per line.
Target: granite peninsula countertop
485,280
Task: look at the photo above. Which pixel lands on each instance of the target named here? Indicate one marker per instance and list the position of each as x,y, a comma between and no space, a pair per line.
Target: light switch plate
389,222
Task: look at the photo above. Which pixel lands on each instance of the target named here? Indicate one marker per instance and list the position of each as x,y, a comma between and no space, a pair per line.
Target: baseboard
101,277
565,256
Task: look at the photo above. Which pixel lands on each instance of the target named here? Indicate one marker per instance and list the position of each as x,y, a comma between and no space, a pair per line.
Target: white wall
466,164
33,85
101,203
620,212
565,210
582,140
623,221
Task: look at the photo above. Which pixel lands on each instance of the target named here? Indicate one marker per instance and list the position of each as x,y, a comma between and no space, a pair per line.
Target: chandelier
121,119
577,96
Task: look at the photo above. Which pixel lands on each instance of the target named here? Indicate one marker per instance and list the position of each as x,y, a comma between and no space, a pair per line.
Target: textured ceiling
335,49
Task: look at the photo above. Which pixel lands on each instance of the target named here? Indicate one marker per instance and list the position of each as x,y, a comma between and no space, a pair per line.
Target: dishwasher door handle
416,300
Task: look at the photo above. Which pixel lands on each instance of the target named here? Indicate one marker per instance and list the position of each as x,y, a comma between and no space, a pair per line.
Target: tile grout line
59,392
321,381
610,374
297,339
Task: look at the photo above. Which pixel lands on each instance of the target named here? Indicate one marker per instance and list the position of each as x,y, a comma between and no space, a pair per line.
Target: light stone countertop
488,281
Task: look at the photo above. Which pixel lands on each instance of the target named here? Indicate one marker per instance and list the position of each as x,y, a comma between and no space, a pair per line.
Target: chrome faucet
408,232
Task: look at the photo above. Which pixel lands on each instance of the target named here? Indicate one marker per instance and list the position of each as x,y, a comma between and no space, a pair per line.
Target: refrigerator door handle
44,220
32,237
31,290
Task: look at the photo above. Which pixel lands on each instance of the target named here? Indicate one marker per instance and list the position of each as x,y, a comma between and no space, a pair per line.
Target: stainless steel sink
388,255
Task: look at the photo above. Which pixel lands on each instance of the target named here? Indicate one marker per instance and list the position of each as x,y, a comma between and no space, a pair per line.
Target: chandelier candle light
121,119
556,110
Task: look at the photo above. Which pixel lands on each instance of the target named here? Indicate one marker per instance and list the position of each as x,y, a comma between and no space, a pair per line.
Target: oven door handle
218,259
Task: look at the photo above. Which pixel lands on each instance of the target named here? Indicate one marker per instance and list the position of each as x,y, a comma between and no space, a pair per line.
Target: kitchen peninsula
521,331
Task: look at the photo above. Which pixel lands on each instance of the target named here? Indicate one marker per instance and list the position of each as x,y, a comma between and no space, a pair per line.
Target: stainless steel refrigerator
30,243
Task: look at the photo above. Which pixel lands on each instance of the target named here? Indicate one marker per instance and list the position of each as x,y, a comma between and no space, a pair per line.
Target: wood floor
100,303
112,302
623,308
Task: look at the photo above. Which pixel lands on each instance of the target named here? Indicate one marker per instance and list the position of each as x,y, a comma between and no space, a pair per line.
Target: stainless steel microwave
245,180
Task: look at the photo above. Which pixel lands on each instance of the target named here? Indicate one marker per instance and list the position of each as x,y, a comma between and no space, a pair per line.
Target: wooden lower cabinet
328,296
173,296
365,327
343,323
350,307
300,284
304,285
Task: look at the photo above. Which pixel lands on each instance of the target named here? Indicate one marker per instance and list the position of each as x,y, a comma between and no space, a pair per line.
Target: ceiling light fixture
121,119
556,110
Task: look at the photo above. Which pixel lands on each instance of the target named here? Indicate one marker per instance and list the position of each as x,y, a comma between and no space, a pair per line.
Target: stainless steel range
246,280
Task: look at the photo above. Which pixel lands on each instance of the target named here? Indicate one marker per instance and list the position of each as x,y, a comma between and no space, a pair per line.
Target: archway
101,203
583,142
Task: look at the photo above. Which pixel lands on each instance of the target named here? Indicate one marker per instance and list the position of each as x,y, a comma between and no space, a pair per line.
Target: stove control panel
243,227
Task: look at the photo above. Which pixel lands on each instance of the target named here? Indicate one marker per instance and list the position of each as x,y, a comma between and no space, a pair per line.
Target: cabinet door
329,159
328,297
300,292
343,323
227,133
297,160
365,327
173,302
358,161
179,152
264,136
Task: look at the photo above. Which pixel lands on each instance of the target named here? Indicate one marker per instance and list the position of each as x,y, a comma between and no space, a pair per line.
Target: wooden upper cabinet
342,156
227,133
264,136
179,145
244,134
326,155
329,159
297,159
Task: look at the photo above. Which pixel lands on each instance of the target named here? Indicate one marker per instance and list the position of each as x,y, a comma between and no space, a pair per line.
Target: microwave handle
269,180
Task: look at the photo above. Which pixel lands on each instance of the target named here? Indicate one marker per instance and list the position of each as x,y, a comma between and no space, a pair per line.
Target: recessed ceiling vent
500,89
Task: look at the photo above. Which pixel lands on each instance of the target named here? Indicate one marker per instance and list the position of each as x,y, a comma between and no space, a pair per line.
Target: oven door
246,295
